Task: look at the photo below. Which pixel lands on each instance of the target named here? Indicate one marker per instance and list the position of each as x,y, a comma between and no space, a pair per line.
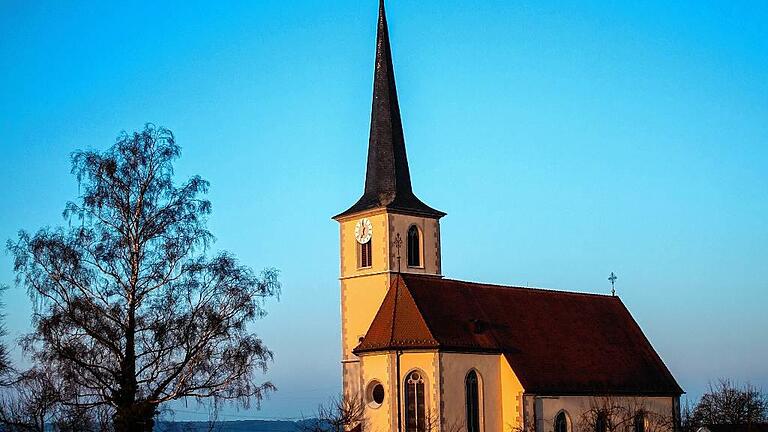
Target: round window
375,394
378,394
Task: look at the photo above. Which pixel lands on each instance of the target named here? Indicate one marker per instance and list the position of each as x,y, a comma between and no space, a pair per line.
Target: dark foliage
131,309
35,402
728,403
29,403
6,368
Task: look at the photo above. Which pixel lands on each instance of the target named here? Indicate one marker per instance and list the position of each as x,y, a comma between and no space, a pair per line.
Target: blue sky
564,140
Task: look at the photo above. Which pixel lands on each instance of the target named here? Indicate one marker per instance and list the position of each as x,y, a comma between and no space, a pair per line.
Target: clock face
363,230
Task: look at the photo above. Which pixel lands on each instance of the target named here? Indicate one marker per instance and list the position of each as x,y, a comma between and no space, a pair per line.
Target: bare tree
131,309
432,423
6,368
29,403
527,425
36,402
686,416
77,418
341,414
621,414
729,403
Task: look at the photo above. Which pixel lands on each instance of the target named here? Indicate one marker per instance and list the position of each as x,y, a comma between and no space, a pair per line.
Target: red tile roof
556,342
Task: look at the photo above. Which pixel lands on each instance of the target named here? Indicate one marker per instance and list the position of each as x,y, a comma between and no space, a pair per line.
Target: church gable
556,342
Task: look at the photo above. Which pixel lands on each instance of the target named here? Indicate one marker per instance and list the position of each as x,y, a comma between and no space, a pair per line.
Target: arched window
561,422
415,415
414,247
601,422
473,402
366,260
640,422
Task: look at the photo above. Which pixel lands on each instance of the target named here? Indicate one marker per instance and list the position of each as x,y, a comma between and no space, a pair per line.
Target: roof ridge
554,341
542,289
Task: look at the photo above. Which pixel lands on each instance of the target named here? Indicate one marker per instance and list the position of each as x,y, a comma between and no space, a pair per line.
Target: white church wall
382,368
455,367
378,368
577,409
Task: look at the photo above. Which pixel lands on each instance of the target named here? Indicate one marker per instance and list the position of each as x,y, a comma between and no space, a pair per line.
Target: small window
561,422
375,394
640,422
366,260
473,402
414,247
601,422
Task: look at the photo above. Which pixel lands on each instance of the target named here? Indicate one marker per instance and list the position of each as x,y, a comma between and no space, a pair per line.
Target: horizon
564,142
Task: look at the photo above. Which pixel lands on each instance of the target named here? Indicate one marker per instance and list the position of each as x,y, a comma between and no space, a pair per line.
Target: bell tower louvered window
365,252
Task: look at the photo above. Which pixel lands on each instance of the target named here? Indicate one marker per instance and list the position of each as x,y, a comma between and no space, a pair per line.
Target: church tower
388,230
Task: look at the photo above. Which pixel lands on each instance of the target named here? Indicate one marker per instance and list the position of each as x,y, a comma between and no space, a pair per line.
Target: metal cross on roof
613,278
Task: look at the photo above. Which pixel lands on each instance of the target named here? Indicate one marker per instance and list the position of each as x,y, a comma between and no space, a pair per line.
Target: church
423,353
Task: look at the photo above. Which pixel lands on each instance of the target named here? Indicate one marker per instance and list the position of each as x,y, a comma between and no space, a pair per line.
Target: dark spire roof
387,179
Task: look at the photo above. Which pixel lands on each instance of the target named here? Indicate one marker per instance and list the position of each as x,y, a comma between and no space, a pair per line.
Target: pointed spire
387,163
387,179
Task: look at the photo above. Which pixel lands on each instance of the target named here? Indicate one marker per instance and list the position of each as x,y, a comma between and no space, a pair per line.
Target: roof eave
427,211
598,393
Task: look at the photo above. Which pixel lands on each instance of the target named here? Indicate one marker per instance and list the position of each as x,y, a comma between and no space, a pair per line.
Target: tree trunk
131,415
137,417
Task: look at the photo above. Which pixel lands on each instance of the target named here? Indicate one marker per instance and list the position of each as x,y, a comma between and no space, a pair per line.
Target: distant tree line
131,307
